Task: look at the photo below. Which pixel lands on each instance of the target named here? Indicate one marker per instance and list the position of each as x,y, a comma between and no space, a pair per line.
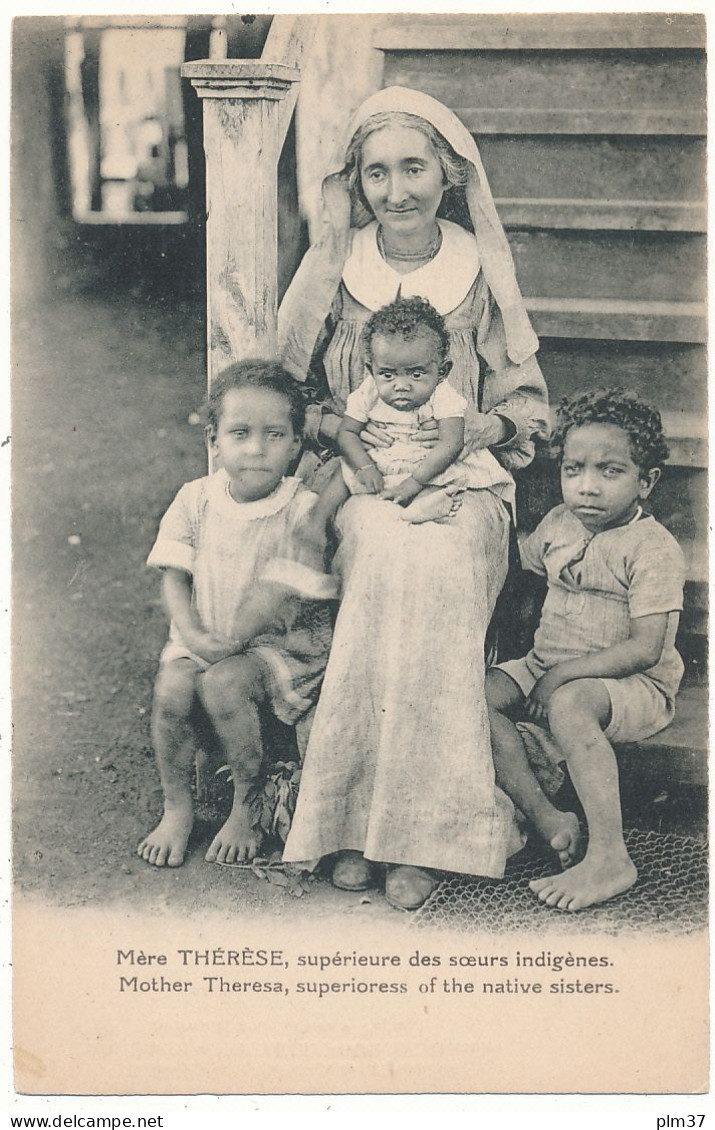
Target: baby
406,387
250,631
603,667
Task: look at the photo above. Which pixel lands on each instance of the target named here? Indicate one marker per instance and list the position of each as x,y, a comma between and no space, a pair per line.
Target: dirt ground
104,385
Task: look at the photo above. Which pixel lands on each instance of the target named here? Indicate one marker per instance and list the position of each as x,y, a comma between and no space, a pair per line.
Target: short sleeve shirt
365,404
598,583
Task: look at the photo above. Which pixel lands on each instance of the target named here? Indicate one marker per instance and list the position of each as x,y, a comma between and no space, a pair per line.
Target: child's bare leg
433,504
514,773
232,692
172,735
578,714
313,534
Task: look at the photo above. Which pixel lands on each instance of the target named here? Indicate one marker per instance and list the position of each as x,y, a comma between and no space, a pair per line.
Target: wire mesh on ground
670,896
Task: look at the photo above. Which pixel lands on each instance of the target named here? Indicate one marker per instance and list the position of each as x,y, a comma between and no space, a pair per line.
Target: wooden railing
247,108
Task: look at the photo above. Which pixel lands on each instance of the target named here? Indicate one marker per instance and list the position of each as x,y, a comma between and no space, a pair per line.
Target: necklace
425,255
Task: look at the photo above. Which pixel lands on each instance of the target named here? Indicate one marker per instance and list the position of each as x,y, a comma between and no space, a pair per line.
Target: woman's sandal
408,888
352,872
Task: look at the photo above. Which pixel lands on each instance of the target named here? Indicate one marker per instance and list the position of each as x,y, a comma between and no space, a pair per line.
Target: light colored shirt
598,583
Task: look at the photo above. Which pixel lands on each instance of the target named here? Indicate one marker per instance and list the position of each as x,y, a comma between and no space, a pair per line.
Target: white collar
445,281
261,507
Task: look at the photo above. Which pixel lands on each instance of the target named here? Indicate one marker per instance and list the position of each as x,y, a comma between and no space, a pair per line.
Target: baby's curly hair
625,410
405,317
256,372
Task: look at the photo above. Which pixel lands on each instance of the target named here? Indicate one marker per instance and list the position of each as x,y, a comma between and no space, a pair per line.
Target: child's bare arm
448,447
176,591
355,454
640,651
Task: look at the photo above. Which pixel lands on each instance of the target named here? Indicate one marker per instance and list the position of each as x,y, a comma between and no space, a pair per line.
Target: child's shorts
638,708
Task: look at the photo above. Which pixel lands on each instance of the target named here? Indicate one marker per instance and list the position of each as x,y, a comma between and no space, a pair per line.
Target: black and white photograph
359,735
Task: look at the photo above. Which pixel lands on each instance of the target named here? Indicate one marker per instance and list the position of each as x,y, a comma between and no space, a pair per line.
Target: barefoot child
603,667
407,361
248,631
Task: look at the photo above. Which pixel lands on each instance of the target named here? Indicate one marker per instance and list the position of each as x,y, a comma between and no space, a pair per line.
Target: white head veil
309,297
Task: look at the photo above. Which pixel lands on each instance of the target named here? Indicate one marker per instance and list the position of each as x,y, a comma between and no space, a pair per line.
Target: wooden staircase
592,132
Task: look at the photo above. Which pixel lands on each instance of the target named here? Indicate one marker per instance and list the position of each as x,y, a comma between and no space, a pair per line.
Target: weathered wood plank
549,30
634,122
619,167
603,215
241,130
624,265
667,373
667,86
289,41
678,753
615,320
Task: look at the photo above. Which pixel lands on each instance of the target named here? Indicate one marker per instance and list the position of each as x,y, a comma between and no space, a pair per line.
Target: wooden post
241,142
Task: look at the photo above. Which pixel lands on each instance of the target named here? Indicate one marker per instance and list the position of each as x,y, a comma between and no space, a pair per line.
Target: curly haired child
603,667
405,389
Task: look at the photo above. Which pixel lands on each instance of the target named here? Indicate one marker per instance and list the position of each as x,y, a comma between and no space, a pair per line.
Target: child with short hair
407,360
249,629
603,667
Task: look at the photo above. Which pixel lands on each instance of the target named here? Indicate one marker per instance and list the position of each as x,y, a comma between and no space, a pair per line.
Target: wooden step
651,168
613,265
551,214
668,374
686,433
547,30
547,120
678,754
619,91
679,503
616,320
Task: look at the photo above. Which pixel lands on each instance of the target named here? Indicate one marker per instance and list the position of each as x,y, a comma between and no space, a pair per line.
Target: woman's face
402,180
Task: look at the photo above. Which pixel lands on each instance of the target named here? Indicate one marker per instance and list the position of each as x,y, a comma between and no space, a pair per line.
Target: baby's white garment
472,470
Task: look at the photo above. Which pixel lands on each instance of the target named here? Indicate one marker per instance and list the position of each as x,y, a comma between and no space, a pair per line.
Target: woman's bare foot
407,888
237,841
166,845
433,505
596,879
352,872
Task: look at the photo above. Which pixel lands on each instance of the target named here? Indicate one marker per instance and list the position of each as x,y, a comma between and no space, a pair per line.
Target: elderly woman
398,769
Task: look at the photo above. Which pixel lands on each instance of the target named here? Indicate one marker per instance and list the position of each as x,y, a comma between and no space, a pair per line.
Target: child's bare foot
563,834
407,888
596,879
237,842
166,845
433,505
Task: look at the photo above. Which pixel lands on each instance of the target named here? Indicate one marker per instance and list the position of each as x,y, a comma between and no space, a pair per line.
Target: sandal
408,888
352,872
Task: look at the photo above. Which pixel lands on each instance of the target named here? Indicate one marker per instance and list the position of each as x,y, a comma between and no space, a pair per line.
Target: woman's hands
483,429
372,435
